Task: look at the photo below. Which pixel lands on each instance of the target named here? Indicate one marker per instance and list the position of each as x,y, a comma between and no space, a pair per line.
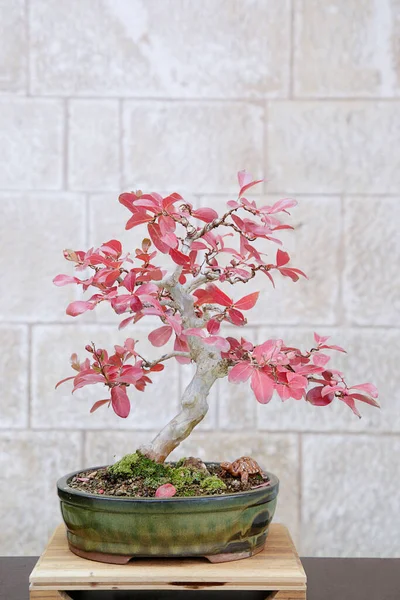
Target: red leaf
160,336
292,273
165,491
236,317
247,302
99,403
178,257
113,247
203,296
120,401
262,386
205,214
130,374
127,199
218,296
282,258
240,372
158,367
268,274
78,307
155,234
315,397
130,280
138,218
213,326
181,345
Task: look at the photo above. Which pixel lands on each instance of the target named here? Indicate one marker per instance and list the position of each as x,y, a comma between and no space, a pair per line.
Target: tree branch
151,363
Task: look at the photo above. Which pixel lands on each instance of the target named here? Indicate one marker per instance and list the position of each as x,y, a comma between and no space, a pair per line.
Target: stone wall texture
101,96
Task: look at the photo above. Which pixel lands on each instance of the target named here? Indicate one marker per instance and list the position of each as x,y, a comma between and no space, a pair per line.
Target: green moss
126,466
186,480
212,483
154,482
137,465
182,477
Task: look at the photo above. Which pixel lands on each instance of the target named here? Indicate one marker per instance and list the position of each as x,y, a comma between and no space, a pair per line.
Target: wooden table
328,579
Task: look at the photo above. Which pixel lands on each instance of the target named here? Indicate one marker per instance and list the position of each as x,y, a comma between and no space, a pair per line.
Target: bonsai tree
190,307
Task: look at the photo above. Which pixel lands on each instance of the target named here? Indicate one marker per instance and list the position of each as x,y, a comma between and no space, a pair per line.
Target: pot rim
63,487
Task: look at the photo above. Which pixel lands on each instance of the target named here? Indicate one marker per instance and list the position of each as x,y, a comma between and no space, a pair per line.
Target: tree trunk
194,407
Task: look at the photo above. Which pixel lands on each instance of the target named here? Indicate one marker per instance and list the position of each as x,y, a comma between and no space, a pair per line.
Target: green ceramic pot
116,529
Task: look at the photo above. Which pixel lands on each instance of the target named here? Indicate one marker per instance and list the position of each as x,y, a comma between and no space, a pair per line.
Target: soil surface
103,482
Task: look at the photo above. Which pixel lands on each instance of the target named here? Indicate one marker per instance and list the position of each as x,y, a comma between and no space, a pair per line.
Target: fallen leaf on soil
166,491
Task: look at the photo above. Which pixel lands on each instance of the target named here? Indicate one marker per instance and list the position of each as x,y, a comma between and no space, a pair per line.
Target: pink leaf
262,386
351,404
99,403
282,205
64,380
130,374
366,387
195,331
365,399
244,178
89,379
321,359
327,389
246,181
64,280
160,336
320,339
78,307
205,214
165,491
125,322
247,302
240,372
120,401
219,342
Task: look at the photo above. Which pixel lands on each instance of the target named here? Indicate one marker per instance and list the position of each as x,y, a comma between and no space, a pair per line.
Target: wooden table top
276,567
328,579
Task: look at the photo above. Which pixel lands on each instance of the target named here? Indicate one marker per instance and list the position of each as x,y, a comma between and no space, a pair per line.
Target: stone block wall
100,96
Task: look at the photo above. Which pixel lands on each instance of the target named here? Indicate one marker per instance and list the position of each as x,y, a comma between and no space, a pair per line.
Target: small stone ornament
243,467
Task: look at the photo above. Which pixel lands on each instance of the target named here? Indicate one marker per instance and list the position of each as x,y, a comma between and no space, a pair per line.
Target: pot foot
114,559
230,556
